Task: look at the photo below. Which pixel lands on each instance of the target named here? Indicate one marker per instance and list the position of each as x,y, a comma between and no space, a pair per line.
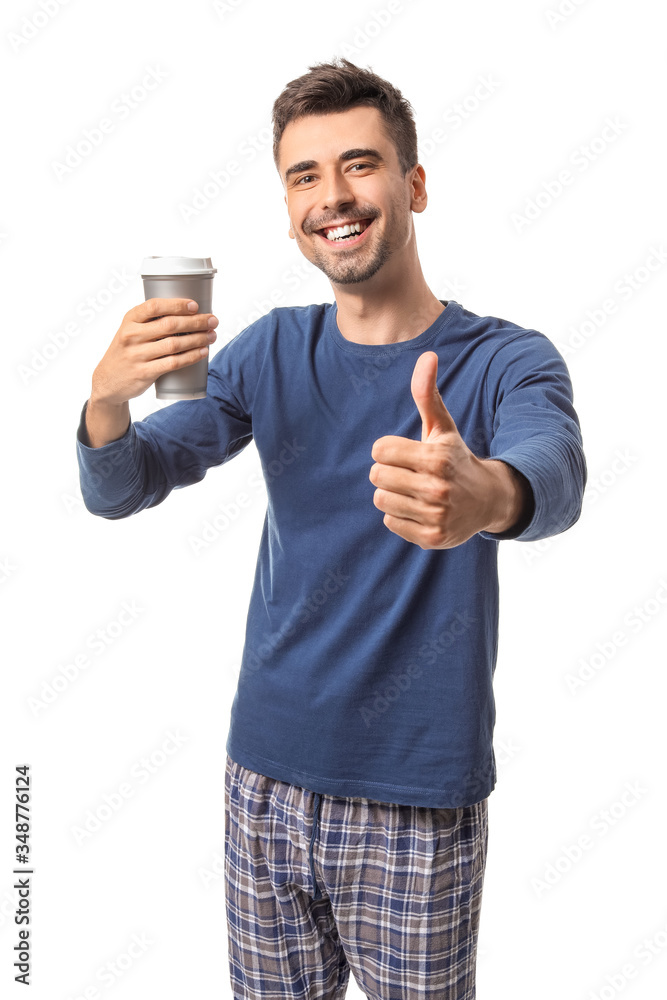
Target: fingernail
212,321
193,307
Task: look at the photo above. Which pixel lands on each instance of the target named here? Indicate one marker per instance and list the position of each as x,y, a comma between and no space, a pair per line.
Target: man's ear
419,196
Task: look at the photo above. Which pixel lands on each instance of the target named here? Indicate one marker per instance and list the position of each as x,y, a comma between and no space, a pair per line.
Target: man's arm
105,422
536,432
514,505
168,449
125,467
437,494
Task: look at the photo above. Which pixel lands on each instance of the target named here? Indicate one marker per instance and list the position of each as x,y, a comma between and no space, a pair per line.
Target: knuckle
446,467
153,306
436,491
168,324
436,537
126,335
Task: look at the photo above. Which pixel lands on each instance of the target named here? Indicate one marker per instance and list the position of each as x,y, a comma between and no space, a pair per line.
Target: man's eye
309,177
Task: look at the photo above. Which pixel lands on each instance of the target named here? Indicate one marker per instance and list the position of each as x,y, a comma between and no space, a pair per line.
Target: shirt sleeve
168,449
537,433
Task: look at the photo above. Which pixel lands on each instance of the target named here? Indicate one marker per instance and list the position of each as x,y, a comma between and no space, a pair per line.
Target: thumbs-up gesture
435,492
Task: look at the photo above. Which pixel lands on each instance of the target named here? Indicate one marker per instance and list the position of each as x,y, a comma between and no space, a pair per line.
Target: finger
402,505
405,453
165,347
405,528
392,479
436,418
172,327
153,308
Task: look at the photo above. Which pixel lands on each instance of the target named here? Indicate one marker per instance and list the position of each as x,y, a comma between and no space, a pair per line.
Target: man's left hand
435,492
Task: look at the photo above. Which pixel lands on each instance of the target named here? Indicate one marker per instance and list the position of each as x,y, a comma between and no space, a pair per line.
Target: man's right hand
146,346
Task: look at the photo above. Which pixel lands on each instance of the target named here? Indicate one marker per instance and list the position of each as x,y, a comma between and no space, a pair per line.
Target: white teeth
335,234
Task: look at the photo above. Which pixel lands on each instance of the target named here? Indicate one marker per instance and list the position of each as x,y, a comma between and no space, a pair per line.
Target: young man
401,437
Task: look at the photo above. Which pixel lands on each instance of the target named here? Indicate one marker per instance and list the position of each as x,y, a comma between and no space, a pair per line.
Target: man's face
335,181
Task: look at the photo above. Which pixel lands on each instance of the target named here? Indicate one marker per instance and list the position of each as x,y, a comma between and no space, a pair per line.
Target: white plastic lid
176,265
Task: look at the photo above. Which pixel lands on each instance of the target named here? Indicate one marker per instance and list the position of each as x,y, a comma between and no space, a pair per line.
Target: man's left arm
536,449
436,493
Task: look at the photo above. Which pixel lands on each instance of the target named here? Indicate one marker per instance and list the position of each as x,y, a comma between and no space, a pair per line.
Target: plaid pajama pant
316,885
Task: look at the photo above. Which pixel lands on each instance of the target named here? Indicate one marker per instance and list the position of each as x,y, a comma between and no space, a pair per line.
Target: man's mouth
350,233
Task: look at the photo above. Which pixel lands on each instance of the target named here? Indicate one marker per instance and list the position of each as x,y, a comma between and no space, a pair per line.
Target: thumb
436,419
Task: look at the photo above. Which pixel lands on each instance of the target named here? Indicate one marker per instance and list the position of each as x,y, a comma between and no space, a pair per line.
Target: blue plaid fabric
318,885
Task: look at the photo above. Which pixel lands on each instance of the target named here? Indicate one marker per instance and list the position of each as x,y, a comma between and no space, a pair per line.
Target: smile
346,241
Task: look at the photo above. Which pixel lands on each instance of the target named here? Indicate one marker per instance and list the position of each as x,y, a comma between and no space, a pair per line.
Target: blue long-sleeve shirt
368,662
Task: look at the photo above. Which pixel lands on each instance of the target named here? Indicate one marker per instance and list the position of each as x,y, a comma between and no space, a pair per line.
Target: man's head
339,86
345,146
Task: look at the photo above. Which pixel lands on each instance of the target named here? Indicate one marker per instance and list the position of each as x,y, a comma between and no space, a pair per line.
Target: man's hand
157,336
435,492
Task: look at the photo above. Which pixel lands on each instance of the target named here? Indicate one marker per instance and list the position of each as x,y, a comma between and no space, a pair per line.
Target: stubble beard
348,269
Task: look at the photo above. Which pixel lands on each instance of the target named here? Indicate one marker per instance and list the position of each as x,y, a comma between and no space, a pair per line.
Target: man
401,437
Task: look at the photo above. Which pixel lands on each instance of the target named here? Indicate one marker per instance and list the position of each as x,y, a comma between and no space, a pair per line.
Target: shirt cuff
84,440
528,511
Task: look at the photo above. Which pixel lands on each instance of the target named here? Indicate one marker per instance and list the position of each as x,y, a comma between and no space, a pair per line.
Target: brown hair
329,87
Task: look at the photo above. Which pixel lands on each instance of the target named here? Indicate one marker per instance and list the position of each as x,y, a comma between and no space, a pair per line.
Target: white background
564,758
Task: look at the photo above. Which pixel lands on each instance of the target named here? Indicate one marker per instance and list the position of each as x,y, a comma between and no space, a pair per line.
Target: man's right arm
105,422
125,466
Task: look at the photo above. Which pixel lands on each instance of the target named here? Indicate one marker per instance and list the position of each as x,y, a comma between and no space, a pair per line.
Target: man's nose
335,191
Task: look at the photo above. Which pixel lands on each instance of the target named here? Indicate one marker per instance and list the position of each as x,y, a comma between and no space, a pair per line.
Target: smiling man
401,437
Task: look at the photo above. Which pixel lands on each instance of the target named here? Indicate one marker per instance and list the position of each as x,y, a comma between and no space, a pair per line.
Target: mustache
311,228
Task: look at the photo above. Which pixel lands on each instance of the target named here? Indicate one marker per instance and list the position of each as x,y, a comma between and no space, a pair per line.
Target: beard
349,267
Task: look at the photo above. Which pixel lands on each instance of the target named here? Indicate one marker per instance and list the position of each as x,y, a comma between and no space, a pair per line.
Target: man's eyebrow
349,154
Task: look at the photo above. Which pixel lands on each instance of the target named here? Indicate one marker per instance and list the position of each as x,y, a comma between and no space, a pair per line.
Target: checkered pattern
317,885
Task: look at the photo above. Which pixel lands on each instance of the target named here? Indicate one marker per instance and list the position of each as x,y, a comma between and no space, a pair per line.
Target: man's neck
386,311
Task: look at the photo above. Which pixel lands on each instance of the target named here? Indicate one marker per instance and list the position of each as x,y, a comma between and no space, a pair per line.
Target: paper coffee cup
181,278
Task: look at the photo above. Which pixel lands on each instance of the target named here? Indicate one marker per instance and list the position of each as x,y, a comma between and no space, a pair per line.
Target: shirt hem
350,787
